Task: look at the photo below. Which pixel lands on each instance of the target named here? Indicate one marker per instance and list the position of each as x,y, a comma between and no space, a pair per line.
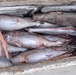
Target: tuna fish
37,56
11,23
19,10
54,31
57,38
58,8
29,40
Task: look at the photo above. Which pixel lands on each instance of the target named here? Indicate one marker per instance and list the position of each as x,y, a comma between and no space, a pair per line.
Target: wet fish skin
4,62
17,9
59,8
35,56
29,40
14,49
11,23
57,38
46,25
54,38
57,18
18,13
54,31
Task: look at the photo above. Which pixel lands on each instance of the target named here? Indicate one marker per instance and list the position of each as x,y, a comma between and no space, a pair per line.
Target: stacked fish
47,36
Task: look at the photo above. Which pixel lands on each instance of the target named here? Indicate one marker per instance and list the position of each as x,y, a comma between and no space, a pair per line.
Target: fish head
8,37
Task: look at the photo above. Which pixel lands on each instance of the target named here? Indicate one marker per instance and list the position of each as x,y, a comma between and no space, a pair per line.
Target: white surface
58,71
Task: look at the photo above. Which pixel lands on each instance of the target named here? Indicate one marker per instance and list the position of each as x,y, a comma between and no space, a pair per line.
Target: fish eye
6,37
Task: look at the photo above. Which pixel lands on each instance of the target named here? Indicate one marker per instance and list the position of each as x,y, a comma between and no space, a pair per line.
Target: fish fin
17,43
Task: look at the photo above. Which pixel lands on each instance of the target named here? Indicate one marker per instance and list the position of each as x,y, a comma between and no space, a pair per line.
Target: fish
18,13
37,55
57,18
28,40
57,38
11,23
54,31
18,9
59,8
14,49
4,62
54,38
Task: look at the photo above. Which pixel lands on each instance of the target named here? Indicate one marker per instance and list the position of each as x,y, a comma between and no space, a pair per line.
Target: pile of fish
47,33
